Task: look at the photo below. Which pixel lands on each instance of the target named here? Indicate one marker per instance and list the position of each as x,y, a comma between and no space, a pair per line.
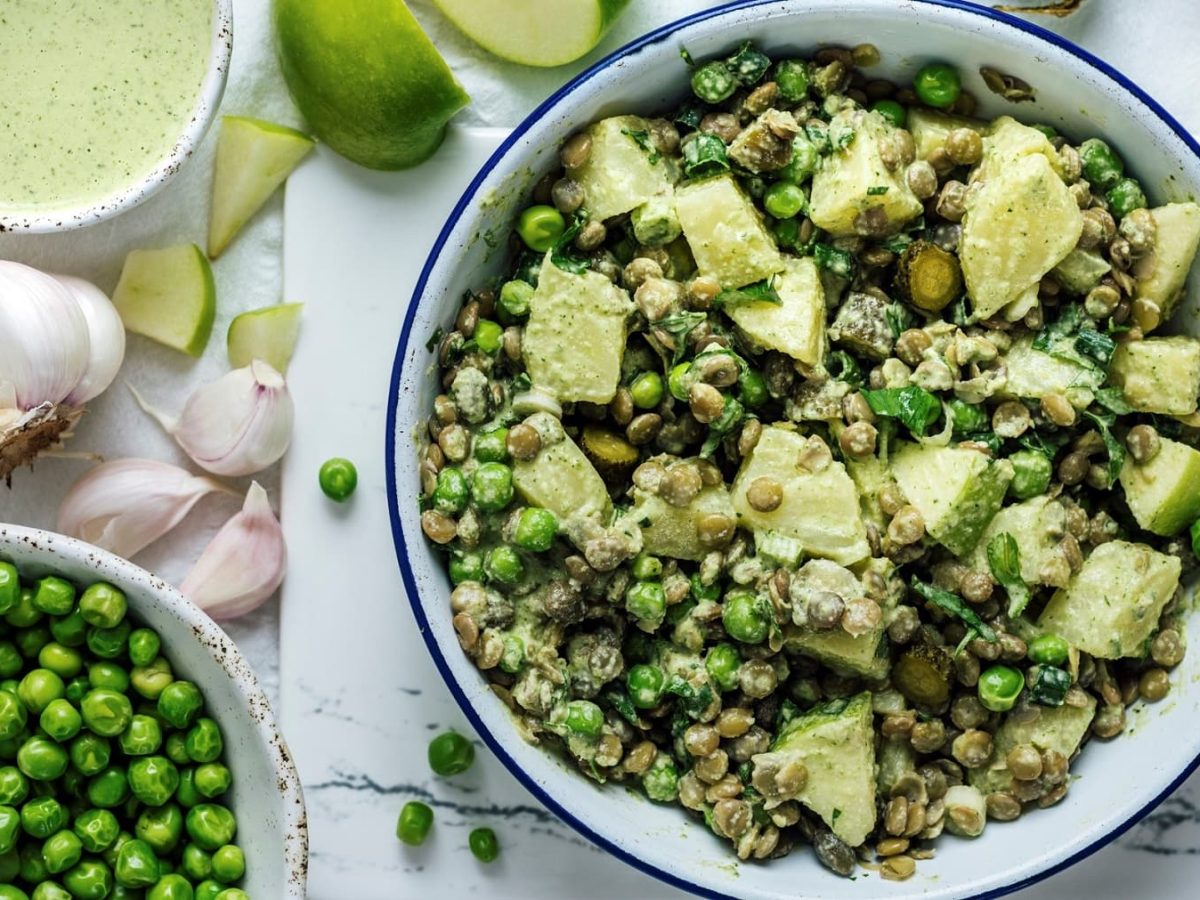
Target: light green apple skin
367,79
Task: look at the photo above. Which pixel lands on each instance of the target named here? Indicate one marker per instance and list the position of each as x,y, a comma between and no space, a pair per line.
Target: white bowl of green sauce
103,103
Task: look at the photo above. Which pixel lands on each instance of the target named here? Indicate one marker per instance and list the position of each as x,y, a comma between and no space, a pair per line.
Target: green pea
484,845
338,478
97,830
208,890
31,640
77,689
1101,165
61,851
110,855
142,737
450,754
60,720
211,825
999,687
1124,197
647,602
745,617
713,82
89,879
161,828
204,741
646,567
180,703
1193,532
196,862
513,655
466,567
175,748
752,388
228,863
153,779
63,661
144,645
38,688
584,718
491,486
41,759
12,892
10,828
43,816
512,304
491,446
14,787
791,76
1032,472
646,390
488,335
186,794
540,226
722,664
149,681
892,111
661,780
33,867
137,865
90,753
679,382
504,565
1048,650
415,820
536,529
11,661
102,605
645,684
24,614
106,712
109,676
172,887
109,643
69,630
212,780
230,894
13,716
784,200
54,596
937,85
108,789
10,587
49,890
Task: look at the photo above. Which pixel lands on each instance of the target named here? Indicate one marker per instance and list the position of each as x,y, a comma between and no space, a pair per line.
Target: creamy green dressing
95,93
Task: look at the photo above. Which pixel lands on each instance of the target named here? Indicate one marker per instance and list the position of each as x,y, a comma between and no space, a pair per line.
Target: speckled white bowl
1117,783
266,795
191,134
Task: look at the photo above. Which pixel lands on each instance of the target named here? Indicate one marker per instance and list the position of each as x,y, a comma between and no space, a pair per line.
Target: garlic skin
237,425
243,565
106,334
127,504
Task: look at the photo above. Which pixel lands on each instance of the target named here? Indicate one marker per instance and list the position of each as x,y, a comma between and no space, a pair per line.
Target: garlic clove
106,335
239,424
244,563
127,504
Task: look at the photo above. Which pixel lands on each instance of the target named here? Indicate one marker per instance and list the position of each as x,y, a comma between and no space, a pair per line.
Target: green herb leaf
844,367
642,139
692,700
679,326
912,405
748,65
1113,399
989,439
899,318
1047,444
686,57
1072,337
1096,346
562,253
1049,687
620,701
1004,559
839,262
955,606
435,339
1116,449
897,244
877,190
704,155
731,417
758,292
690,116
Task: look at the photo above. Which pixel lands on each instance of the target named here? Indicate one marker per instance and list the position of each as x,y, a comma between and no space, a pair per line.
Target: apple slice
168,295
534,32
268,334
253,159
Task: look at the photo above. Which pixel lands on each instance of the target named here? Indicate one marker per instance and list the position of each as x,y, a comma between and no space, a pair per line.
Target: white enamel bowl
1076,93
266,795
191,133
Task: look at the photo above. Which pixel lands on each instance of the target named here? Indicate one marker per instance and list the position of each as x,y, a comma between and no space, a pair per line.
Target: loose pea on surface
450,754
338,478
483,844
416,819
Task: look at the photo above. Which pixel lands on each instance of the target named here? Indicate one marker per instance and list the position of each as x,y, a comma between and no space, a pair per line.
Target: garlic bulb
237,425
61,344
127,504
244,563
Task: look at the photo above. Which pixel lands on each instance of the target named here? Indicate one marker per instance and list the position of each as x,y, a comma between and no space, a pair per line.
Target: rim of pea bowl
495,744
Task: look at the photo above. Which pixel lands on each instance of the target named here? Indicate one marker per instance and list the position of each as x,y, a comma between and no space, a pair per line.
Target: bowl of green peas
138,753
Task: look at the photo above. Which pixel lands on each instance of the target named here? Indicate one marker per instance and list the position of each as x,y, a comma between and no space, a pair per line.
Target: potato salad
825,461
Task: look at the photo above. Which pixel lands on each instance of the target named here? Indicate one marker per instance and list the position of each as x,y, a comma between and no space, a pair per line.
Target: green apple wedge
540,33
168,295
367,79
268,334
253,159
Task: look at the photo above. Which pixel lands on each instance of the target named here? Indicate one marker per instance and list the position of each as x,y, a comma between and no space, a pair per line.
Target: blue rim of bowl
493,743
